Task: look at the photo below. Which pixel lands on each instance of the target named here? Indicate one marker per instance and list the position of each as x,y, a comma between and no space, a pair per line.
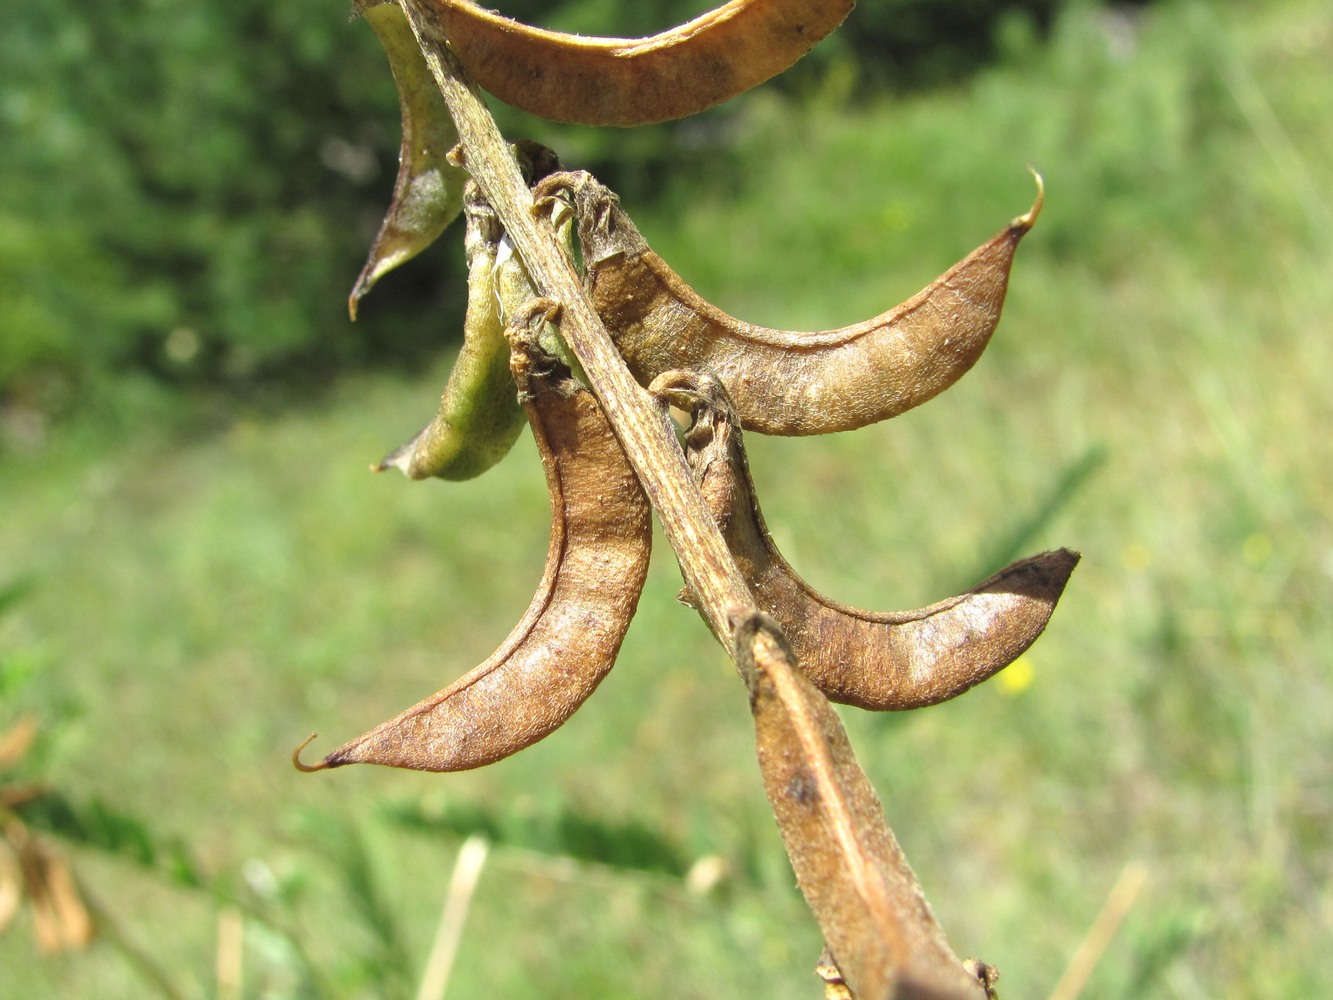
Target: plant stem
649,440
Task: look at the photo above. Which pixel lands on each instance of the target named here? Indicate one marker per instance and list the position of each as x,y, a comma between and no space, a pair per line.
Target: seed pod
601,531
479,417
428,192
784,382
884,661
620,81
878,927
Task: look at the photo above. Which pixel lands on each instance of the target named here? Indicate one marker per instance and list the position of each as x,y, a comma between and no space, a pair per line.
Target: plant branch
897,949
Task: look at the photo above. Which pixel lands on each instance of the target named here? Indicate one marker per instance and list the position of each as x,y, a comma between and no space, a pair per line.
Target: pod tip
307,768
1029,218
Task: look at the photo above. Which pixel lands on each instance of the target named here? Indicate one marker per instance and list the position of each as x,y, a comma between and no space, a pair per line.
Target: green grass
202,598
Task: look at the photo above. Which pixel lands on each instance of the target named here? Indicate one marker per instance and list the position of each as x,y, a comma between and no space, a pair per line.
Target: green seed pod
479,417
428,193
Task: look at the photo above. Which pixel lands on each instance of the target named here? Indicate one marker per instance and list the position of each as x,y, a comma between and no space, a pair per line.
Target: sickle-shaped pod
784,382
478,419
633,81
875,660
568,640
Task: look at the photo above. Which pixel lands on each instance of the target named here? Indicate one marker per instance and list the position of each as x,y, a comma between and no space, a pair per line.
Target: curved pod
569,637
884,661
784,382
428,191
633,81
479,418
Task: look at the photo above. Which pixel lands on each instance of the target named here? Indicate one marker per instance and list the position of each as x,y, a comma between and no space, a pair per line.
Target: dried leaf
785,382
879,928
428,192
876,660
601,531
61,921
620,81
11,885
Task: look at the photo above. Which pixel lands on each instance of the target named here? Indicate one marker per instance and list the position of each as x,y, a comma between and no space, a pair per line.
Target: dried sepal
880,931
515,289
596,562
790,382
428,191
633,81
835,987
876,660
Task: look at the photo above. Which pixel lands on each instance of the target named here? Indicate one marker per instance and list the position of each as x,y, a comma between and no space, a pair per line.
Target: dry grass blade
620,81
17,740
449,932
230,954
1094,944
60,919
11,885
878,926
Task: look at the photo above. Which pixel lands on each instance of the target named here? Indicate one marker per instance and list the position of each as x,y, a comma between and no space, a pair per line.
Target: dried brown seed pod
884,661
557,655
784,382
428,192
634,81
479,418
882,936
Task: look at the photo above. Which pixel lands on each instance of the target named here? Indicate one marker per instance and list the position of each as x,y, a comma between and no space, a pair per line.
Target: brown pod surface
883,661
568,639
634,81
878,926
780,381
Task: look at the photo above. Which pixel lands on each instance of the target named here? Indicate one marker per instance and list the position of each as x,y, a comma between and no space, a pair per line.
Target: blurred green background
196,568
